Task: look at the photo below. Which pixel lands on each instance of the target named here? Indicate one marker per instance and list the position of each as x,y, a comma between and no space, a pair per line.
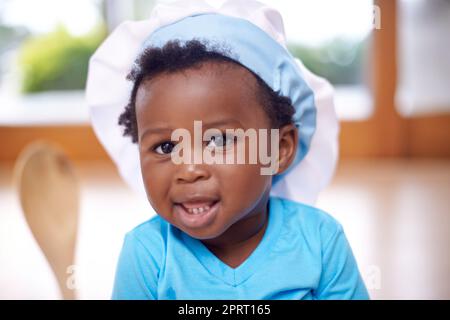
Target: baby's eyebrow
205,125
155,130
222,122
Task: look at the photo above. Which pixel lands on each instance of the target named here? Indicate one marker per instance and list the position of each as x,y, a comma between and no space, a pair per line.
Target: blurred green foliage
340,61
58,60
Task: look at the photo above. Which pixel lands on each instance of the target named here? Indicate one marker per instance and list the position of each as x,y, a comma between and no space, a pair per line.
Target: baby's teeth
198,210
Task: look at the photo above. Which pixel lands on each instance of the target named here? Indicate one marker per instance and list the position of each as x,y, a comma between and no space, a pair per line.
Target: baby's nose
189,173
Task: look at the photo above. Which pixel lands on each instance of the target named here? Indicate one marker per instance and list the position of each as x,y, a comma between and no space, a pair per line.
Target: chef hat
254,33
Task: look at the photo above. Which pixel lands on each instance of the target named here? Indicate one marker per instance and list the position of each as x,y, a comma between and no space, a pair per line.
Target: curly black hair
176,56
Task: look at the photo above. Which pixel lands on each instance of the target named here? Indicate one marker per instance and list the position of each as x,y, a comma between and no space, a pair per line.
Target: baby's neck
240,240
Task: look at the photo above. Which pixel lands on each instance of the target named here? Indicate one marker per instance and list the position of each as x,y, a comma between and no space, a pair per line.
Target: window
332,39
44,51
42,83
423,56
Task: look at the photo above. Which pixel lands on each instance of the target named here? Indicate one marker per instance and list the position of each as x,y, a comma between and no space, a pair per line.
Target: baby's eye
221,141
165,147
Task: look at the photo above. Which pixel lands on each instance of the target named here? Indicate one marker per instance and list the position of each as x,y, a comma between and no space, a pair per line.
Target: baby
218,232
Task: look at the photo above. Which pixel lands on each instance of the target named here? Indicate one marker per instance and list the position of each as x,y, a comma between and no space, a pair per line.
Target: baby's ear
287,146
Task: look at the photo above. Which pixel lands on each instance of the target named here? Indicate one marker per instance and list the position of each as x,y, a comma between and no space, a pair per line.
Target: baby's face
202,199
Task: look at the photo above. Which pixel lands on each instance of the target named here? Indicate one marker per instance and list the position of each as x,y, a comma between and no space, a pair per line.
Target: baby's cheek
244,184
157,186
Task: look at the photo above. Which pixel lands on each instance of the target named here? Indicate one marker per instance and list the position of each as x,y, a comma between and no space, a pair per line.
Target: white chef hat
255,33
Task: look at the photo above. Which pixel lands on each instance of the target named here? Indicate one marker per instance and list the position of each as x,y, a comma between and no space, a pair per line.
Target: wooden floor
396,215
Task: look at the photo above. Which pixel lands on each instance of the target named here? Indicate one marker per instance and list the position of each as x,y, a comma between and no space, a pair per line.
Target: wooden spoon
49,196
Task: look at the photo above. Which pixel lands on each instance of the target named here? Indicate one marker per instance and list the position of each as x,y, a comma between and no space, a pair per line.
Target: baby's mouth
198,212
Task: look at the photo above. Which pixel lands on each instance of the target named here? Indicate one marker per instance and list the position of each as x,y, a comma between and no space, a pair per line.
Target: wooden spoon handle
49,195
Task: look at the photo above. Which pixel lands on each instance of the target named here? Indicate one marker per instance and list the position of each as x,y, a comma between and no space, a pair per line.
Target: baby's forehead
201,94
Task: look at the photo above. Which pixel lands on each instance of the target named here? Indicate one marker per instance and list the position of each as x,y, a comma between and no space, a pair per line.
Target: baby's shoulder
150,234
310,220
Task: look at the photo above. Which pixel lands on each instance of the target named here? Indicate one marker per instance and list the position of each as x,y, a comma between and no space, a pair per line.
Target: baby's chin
204,233
212,231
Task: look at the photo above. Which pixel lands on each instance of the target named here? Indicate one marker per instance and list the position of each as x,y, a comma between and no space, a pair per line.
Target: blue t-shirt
303,254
